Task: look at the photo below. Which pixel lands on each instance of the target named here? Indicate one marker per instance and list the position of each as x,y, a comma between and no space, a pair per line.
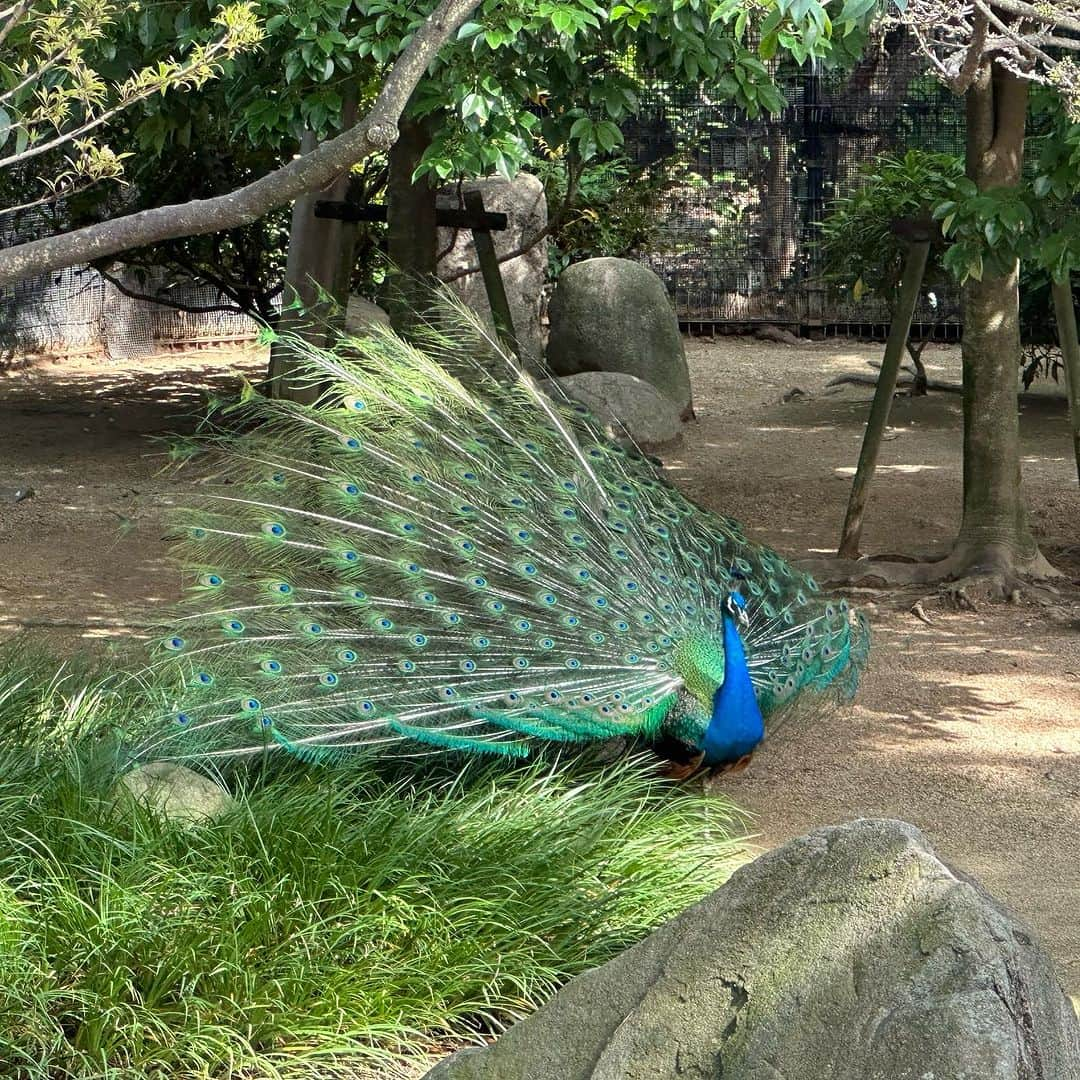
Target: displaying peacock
438,557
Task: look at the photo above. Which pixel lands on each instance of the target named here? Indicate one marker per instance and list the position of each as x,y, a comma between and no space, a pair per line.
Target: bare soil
968,726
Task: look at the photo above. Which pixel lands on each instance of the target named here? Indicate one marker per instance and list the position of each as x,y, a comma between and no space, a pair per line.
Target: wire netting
77,310
737,229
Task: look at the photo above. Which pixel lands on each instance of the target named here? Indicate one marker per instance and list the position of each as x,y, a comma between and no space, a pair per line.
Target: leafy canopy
563,71
63,80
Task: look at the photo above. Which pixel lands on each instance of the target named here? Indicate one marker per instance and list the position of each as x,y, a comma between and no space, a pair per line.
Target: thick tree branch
310,172
974,59
1030,11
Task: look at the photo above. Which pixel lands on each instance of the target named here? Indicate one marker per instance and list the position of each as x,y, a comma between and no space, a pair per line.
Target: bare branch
1039,15
164,301
311,172
959,37
12,16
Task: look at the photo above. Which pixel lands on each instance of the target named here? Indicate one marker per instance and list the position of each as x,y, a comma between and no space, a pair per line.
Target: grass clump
334,919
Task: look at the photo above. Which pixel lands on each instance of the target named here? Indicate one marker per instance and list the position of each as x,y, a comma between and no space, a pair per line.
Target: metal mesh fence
77,310
737,230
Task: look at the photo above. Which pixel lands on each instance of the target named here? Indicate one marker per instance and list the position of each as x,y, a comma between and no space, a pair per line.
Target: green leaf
581,128
148,27
469,30
854,10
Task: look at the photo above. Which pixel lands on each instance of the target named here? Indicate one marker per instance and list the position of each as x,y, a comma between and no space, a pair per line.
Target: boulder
615,315
852,953
177,793
361,313
625,405
524,203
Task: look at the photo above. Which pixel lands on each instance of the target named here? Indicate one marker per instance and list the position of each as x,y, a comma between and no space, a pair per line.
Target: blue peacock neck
737,725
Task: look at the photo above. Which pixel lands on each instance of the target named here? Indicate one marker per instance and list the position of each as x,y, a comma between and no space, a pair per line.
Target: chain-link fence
77,310
737,229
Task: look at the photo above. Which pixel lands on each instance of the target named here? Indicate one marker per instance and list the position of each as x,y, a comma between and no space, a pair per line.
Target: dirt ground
969,726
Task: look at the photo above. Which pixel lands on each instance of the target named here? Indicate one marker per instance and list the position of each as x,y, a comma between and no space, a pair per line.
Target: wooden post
910,286
1065,316
493,282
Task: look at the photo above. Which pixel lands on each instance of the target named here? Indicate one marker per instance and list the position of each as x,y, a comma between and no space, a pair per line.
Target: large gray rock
361,313
624,404
525,205
849,954
615,315
175,792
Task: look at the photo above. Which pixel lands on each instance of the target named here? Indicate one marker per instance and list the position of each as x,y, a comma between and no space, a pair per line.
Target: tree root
908,385
964,579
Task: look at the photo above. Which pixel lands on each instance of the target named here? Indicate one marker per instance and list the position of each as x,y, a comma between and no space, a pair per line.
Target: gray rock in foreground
852,953
624,404
614,315
178,793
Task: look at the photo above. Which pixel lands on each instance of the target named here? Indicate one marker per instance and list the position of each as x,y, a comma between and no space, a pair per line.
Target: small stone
177,793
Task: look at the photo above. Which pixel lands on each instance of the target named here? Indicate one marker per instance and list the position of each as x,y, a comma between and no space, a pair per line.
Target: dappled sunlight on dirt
84,557
969,727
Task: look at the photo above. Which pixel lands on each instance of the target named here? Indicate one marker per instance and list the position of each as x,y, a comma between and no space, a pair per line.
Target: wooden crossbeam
447,217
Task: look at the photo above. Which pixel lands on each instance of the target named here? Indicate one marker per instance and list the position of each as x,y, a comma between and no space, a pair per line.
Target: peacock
439,557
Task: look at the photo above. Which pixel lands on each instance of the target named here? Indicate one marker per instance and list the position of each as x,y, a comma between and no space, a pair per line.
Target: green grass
334,919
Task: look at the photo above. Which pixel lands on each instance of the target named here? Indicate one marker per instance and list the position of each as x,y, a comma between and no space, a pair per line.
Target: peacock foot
681,770
732,766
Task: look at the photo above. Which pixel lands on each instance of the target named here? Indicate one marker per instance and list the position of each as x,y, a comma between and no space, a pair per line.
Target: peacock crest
439,557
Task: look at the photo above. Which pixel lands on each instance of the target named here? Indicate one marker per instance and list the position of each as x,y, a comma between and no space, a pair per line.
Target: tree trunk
994,537
411,233
779,245
317,272
1065,316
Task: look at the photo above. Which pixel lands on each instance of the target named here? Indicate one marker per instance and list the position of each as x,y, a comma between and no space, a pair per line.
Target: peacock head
735,606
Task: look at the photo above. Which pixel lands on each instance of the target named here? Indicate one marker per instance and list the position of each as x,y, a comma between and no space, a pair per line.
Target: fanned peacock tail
438,557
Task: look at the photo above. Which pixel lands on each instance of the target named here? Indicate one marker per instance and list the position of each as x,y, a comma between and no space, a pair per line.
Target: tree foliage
63,80
862,250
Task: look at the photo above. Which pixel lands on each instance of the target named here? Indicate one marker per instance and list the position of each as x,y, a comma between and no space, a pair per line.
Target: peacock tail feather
439,557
